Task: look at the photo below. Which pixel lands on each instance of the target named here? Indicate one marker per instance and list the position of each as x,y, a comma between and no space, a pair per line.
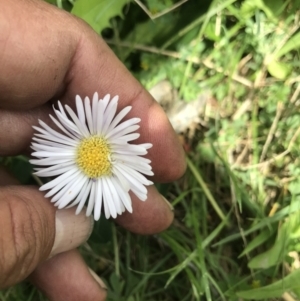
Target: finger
82,64
35,52
150,217
66,277
27,231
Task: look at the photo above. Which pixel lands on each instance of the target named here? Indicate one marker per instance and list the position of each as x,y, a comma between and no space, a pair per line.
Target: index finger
61,57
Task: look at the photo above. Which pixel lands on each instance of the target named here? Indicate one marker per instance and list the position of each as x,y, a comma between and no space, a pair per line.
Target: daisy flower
92,159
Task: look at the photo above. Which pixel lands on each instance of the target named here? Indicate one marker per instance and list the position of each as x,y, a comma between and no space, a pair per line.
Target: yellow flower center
93,157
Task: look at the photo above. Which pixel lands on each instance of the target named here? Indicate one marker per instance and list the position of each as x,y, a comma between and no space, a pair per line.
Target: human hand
47,54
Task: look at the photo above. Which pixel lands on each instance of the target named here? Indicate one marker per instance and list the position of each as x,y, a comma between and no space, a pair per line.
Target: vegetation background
236,233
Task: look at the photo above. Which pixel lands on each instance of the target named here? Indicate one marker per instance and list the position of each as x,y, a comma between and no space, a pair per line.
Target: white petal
88,113
123,181
61,148
137,188
98,201
55,139
67,193
118,118
105,100
91,202
107,200
80,195
67,123
60,186
145,145
124,196
55,167
125,139
61,109
50,143
71,192
50,161
100,119
63,153
140,195
83,199
135,174
50,172
70,133
132,153
132,159
122,126
59,179
81,126
80,109
110,113
135,183
105,204
95,112
123,208
51,133
57,196
115,196
134,163
140,169
58,148
124,131
129,149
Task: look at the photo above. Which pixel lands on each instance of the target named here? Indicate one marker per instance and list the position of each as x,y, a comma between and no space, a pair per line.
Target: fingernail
168,203
98,279
71,230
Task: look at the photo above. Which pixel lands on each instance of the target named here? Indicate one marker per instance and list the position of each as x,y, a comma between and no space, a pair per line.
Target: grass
236,230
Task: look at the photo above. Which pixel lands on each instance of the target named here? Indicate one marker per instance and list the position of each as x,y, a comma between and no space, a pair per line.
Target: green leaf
274,290
210,32
117,283
292,44
267,259
279,70
257,241
51,1
102,232
98,12
272,256
294,186
272,8
21,169
279,250
248,8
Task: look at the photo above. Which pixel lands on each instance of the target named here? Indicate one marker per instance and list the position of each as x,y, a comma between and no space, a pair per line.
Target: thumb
31,231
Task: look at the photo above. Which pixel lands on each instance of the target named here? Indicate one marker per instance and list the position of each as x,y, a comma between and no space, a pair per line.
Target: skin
45,55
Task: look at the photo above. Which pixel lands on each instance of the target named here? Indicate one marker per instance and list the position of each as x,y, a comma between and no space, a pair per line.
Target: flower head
92,158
